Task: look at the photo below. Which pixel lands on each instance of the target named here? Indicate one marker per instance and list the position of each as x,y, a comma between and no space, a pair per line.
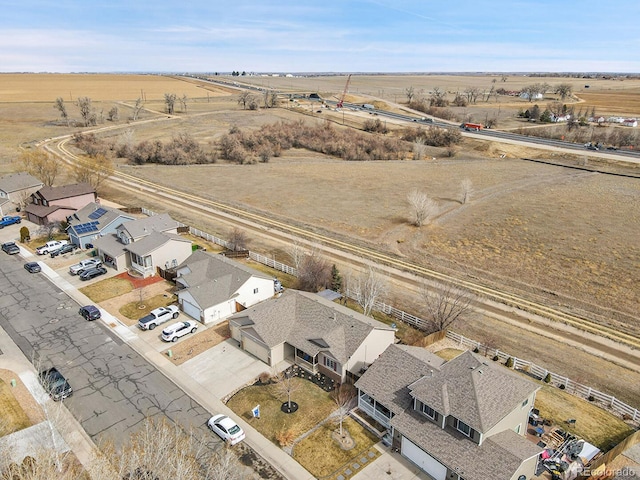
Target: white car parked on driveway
83,265
173,332
158,316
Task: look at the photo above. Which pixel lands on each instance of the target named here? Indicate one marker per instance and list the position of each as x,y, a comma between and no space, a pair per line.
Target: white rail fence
607,401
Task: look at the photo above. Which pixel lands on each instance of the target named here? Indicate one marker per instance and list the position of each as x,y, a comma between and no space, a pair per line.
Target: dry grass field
566,236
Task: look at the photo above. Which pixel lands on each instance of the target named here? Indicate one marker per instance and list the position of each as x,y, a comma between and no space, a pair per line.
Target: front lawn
12,416
314,406
595,425
322,456
106,289
135,310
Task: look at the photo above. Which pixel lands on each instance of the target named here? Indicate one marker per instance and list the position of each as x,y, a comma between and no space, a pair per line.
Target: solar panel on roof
97,213
86,227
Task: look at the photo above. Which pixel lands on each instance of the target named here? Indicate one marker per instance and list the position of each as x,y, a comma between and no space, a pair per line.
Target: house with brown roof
143,245
15,190
213,287
461,419
310,331
55,204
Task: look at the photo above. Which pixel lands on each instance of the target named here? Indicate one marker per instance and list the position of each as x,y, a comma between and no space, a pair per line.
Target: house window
331,364
525,403
255,290
428,411
517,429
463,428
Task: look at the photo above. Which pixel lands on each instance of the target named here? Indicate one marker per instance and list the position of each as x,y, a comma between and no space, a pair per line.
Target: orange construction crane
344,93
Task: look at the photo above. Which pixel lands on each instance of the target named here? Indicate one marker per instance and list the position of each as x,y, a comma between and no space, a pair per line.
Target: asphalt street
114,387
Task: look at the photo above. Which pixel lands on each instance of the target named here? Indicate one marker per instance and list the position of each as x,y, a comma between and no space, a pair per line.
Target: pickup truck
51,246
6,221
158,316
83,265
11,248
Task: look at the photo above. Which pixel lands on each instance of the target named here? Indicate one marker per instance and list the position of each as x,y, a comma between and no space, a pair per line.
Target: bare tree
59,105
504,78
86,111
297,253
367,288
244,98
419,148
170,102
343,396
238,240
410,93
48,229
472,94
93,170
40,164
270,98
183,102
114,114
532,91
466,190
136,109
422,207
438,98
446,305
314,272
564,90
285,384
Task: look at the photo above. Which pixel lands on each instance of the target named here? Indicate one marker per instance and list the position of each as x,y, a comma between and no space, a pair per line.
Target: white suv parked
177,330
83,265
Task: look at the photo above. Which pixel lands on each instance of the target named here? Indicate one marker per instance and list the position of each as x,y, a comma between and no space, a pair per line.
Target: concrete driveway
224,369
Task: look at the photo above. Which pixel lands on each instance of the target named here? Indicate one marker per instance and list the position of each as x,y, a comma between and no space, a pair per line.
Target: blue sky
320,36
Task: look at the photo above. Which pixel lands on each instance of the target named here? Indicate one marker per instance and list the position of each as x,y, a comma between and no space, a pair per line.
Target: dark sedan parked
69,247
32,267
11,248
92,273
90,312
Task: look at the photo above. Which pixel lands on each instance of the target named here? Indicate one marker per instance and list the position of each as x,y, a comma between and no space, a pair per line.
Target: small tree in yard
238,240
336,279
285,384
446,305
24,234
368,288
314,272
343,396
49,229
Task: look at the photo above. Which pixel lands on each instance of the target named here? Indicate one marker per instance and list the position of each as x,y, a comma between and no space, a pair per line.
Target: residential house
112,248
55,204
462,419
629,122
94,221
164,250
536,96
319,335
213,287
15,190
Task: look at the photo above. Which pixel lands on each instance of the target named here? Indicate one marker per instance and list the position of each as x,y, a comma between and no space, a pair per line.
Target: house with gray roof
461,419
55,204
319,335
158,249
213,287
94,221
112,248
15,190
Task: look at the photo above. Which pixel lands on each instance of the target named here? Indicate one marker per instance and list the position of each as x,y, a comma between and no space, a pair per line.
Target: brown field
566,236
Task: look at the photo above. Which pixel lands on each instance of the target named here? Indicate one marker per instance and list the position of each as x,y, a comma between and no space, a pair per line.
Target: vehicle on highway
69,247
90,273
173,332
9,220
226,429
90,312
32,267
158,316
51,246
10,248
84,265
55,384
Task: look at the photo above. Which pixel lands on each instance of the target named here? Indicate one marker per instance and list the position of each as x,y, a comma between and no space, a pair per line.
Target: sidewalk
275,456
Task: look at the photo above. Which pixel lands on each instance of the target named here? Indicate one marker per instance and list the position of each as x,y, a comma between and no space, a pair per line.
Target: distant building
630,122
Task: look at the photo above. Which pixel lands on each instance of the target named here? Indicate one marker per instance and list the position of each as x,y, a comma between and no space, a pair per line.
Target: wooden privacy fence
608,401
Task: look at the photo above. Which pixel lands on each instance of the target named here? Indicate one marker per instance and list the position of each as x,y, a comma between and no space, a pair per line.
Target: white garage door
255,349
191,310
425,461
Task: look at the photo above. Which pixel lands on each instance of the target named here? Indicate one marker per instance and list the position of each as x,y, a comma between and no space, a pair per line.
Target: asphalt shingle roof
302,319
144,226
153,241
498,458
472,389
15,182
111,245
65,191
387,379
82,216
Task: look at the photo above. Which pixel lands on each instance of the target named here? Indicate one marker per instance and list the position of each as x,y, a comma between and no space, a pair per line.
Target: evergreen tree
336,279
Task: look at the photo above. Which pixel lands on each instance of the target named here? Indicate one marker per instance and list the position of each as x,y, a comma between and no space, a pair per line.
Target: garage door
191,310
255,349
425,461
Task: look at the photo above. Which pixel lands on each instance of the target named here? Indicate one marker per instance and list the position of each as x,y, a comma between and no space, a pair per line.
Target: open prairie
567,236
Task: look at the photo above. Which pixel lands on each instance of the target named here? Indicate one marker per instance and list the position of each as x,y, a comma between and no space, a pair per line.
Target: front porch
374,409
